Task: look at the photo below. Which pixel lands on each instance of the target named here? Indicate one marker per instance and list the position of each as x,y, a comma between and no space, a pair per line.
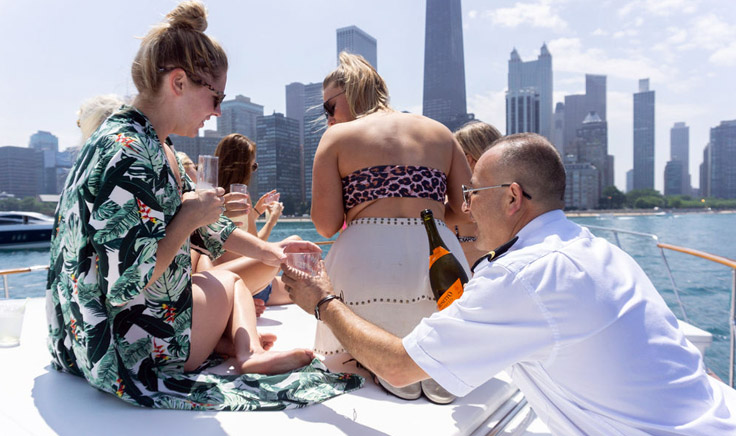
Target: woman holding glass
237,163
376,169
124,310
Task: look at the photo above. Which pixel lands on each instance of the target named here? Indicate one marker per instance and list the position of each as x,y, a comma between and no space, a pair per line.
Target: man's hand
305,290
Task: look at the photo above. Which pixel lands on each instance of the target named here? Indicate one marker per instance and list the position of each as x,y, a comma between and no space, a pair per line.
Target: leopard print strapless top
384,181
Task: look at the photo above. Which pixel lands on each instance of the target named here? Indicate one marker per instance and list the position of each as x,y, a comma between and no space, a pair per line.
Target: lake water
704,286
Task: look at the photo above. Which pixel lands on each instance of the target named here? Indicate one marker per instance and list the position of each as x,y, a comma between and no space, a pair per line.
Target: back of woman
374,171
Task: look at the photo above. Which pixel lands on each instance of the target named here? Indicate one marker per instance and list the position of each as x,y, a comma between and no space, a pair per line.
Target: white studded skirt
380,265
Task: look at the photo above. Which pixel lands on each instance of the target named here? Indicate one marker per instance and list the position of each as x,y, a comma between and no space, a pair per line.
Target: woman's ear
177,81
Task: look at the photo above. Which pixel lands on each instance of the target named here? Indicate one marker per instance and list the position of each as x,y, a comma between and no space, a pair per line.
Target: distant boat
25,230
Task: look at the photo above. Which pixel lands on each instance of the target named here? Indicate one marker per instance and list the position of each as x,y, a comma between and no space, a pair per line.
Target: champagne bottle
446,275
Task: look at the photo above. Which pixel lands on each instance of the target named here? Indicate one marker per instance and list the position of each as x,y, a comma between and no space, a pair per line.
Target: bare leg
223,306
255,274
279,295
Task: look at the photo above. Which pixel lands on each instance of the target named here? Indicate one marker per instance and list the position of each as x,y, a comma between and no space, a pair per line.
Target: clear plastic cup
207,170
307,262
270,198
11,321
241,189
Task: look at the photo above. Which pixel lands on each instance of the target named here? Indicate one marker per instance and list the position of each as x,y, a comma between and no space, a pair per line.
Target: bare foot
267,340
276,362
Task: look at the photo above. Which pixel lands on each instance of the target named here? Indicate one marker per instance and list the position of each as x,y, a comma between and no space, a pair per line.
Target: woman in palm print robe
124,310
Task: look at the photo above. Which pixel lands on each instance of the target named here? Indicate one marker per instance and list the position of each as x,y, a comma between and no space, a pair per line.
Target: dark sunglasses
218,96
468,191
330,109
254,167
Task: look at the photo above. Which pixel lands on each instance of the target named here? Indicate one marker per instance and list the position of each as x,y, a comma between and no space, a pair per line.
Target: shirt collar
532,226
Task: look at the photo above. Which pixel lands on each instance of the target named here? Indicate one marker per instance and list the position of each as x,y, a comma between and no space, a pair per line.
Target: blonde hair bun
188,15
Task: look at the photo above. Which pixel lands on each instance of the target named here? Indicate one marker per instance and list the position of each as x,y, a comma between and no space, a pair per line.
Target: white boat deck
38,400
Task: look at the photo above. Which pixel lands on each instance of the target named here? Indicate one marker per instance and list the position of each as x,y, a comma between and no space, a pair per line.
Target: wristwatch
323,301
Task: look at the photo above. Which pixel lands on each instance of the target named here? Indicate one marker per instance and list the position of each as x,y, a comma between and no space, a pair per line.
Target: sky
57,54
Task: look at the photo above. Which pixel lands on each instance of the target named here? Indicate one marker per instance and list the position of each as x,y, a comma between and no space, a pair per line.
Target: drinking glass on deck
307,262
11,321
207,172
240,188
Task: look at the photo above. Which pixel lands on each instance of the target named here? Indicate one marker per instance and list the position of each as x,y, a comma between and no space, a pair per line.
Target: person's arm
273,212
378,350
198,209
458,175
270,253
328,213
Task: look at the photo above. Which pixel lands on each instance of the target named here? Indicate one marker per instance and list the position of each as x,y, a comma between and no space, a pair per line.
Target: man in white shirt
574,319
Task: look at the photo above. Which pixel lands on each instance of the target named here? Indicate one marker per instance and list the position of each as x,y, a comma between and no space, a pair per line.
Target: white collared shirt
583,333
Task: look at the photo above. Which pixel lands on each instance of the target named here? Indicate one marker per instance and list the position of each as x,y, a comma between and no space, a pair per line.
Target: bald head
530,160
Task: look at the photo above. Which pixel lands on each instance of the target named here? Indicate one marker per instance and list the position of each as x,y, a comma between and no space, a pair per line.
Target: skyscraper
354,40
723,160
592,147
705,172
314,127
48,144
581,185
239,116
644,137
595,94
444,64
578,106
529,95
295,110
21,171
295,105
680,152
558,128
278,158
673,178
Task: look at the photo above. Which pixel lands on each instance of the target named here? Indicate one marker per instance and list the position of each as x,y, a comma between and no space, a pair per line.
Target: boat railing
6,272
662,246
702,255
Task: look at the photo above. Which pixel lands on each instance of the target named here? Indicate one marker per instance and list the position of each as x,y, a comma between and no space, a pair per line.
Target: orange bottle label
451,294
436,254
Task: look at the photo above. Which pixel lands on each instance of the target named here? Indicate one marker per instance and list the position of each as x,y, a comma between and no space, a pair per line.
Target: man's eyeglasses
218,96
467,191
254,167
330,108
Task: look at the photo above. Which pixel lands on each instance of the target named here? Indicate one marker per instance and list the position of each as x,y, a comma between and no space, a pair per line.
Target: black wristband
323,301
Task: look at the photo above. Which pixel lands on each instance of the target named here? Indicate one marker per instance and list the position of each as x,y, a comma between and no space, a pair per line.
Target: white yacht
25,230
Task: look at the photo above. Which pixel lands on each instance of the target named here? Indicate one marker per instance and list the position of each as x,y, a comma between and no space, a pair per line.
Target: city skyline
686,47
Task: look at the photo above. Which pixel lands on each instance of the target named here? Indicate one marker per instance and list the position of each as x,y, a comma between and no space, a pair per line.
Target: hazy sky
55,54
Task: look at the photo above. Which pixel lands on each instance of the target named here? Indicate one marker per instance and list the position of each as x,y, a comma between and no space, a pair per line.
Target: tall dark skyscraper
644,137
529,95
444,64
21,171
314,127
278,158
723,160
354,40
